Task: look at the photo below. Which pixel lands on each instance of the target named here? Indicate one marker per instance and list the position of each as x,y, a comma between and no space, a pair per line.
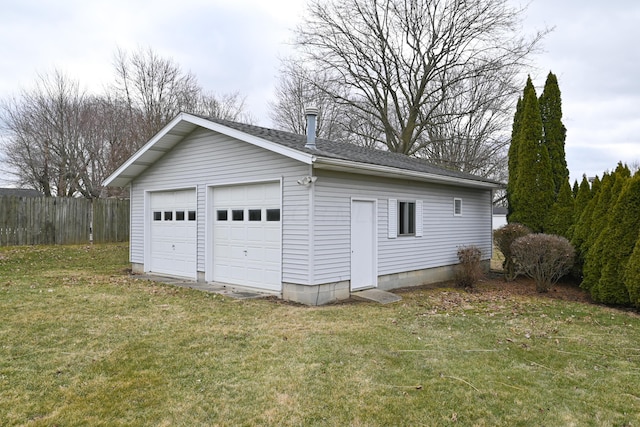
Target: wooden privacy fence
62,220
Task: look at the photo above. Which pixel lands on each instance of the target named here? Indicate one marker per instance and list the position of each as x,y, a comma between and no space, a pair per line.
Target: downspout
311,116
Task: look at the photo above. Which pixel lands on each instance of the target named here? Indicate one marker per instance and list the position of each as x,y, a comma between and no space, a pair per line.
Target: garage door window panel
222,215
255,214
237,215
273,214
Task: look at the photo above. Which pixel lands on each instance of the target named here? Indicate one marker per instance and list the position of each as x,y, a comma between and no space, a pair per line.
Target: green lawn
82,343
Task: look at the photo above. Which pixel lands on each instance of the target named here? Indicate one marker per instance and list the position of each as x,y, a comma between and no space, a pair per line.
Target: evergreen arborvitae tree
581,198
513,159
533,190
584,205
632,275
585,235
594,248
575,188
597,211
554,132
618,242
561,215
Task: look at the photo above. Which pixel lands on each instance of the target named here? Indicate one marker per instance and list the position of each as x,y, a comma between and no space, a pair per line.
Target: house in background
499,216
20,192
308,220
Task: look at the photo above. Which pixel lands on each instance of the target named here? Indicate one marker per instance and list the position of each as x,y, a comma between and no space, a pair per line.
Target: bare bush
469,271
503,237
543,257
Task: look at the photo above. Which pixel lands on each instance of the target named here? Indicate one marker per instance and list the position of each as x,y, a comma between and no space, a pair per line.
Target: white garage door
173,233
246,235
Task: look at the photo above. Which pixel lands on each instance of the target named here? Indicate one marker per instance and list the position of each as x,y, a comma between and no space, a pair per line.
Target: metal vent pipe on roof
312,114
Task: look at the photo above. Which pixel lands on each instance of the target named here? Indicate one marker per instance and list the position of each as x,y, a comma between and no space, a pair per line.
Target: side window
406,218
457,207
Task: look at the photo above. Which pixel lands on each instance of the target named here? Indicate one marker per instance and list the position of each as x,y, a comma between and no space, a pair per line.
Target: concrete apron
372,295
216,288
376,295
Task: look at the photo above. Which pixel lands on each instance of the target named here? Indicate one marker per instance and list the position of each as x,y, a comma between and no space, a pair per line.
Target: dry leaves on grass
494,294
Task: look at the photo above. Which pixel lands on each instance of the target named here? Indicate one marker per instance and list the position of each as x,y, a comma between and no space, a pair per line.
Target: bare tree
475,140
299,88
155,90
231,106
107,138
64,142
44,135
60,140
414,69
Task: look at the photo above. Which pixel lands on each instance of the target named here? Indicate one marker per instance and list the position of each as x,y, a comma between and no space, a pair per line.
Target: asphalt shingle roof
344,151
20,192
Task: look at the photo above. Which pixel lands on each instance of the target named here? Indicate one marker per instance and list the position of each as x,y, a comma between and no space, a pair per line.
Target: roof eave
392,172
139,162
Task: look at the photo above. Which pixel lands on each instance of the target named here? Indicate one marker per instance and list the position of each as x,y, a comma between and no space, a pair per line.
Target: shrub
469,271
503,238
543,257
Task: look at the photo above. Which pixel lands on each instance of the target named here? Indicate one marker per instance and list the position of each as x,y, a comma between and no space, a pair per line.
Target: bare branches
154,86
434,76
65,142
44,127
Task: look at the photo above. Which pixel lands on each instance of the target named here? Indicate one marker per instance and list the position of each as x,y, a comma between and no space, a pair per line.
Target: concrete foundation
317,294
137,268
330,292
407,279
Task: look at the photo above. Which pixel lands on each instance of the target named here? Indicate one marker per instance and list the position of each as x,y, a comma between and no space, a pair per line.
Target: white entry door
363,244
247,235
173,233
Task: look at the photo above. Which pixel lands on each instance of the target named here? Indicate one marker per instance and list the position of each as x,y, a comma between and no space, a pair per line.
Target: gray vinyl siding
205,158
443,232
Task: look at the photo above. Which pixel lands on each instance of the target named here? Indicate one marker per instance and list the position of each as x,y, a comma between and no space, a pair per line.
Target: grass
82,343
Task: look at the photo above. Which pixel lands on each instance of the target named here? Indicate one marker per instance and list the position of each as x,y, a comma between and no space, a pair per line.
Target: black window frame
406,218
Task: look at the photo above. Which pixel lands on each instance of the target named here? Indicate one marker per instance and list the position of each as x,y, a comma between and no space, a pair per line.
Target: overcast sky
236,45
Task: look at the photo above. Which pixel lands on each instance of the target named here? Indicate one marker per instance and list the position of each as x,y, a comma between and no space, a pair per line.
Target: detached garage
308,220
